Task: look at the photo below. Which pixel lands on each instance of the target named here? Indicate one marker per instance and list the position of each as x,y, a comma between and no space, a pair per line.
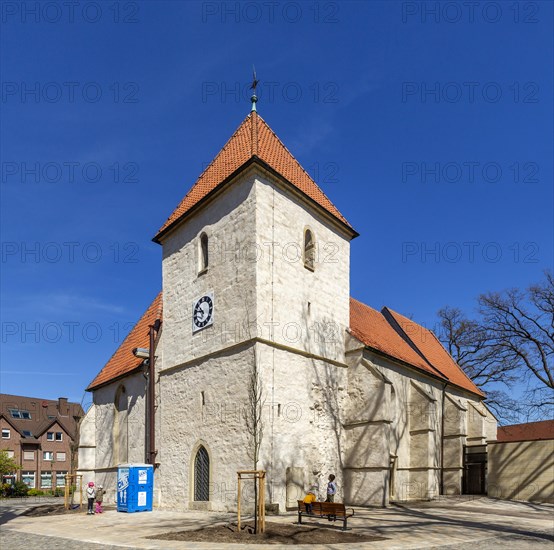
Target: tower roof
253,140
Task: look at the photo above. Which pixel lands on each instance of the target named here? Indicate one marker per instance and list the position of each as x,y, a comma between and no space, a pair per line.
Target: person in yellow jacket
308,501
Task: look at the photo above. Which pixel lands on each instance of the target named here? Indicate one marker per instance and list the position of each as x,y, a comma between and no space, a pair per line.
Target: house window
50,436
47,455
59,436
309,250
46,480
29,479
203,253
202,475
5,434
60,479
9,479
28,455
60,457
10,454
27,433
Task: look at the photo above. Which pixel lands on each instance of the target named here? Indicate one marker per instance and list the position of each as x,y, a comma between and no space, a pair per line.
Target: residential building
40,435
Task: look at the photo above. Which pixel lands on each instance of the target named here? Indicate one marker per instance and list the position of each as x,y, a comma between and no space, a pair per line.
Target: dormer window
16,413
203,254
309,250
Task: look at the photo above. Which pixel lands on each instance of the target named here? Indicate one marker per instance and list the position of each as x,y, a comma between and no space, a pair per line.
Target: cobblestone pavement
12,540
12,507
448,524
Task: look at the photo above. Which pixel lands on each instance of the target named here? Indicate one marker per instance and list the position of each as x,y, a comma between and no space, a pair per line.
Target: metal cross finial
253,86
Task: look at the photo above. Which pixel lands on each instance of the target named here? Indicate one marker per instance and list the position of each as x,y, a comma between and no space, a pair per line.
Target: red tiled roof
371,328
253,138
406,341
531,431
428,344
123,361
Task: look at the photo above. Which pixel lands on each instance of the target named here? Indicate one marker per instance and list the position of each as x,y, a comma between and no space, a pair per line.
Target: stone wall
202,404
521,470
393,427
113,434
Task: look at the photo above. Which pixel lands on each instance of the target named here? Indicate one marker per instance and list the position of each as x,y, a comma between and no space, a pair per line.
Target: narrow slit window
204,258
309,250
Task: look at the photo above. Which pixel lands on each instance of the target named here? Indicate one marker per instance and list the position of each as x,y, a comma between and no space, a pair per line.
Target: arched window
202,475
309,250
120,427
203,255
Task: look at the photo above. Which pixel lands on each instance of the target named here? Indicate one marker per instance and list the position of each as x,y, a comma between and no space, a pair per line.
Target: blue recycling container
135,487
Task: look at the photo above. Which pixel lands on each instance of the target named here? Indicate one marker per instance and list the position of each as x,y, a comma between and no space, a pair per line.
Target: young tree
511,344
8,466
253,417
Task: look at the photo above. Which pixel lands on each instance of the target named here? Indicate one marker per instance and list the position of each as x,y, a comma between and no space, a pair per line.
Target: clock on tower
203,312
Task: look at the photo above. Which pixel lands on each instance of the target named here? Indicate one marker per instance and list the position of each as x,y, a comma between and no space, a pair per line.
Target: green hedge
17,489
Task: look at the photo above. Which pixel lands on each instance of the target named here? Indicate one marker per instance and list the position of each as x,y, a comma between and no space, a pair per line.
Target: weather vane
253,86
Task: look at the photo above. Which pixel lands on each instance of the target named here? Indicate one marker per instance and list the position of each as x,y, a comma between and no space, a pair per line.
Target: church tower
255,284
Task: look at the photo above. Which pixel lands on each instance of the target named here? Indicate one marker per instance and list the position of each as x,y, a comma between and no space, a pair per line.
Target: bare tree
253,417
510,345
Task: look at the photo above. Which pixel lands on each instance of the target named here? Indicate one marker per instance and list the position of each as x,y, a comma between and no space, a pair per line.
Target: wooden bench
336,510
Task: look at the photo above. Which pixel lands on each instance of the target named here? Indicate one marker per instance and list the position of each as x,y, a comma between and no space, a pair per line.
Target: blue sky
431,131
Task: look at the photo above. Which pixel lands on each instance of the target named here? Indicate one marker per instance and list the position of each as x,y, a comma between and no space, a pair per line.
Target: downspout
441,490
152,452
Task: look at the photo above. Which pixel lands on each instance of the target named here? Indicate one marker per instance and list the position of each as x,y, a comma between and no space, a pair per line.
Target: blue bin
135,487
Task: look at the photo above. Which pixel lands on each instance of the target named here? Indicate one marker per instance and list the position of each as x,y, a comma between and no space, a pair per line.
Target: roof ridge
212,162
448,377
298,163
254,133
4,395
448,353
409,340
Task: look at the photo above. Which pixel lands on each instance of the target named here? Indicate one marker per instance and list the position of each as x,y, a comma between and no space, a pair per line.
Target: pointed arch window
309,250
203,253
202,475
120,435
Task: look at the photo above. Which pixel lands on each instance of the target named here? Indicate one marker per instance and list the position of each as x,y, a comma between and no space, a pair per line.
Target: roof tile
123,361
412,344
531,431
253,138
428,344
371,328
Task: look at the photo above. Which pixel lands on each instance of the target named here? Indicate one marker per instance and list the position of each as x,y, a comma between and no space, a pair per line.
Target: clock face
203,312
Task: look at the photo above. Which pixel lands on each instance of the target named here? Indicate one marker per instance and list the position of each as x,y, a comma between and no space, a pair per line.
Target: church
254,355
